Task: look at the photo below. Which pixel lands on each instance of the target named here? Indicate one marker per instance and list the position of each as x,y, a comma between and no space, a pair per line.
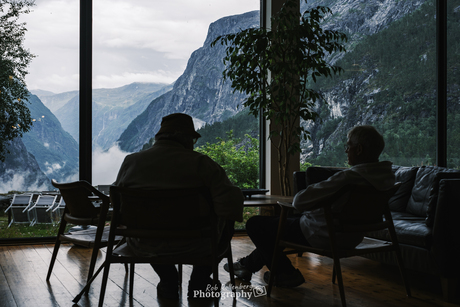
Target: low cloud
17,182
106,164
104,81
51,168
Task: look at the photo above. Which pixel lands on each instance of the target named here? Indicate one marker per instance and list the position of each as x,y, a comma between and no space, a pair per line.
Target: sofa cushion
419,199
405,175
410,230
433,199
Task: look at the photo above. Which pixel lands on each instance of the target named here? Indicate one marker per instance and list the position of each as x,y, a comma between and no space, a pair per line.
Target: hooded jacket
307,201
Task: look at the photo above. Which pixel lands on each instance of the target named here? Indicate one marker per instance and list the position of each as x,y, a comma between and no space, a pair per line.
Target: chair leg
88,284
334,274
273,270
215,278
96,247
340,281
402,270
394,240
92,264
105,277
61,229
277,250
53,258
131,281
231,270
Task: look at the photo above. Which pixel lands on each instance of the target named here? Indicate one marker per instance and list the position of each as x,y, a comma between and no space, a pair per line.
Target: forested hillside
390,82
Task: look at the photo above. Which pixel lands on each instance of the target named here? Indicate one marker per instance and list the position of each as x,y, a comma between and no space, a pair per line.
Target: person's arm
122,172
227,198
312,197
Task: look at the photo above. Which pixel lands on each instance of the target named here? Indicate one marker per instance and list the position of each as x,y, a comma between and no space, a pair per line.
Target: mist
106,164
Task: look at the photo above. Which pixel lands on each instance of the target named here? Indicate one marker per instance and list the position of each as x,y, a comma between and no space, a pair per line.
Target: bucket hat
179,123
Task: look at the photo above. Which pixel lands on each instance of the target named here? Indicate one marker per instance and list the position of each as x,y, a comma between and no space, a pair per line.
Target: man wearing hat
171,163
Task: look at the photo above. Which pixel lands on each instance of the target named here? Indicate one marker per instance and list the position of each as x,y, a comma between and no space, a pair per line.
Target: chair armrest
286,204
29,207
446,233
53,207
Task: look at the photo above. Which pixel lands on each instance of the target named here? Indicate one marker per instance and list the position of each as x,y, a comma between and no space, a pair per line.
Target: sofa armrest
446,230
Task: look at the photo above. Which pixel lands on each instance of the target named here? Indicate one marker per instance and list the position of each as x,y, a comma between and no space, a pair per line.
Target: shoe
286,280
240,270
203,289
167,290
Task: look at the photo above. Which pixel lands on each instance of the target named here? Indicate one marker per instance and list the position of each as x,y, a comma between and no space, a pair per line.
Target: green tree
240,159
15,117
275,68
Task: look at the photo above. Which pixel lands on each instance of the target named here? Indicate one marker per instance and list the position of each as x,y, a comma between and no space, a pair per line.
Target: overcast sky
133,40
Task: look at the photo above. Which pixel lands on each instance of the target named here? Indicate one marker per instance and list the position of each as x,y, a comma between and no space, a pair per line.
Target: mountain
199,91
54,149
361,18
20,171
390,82
42,93
113,109
43,153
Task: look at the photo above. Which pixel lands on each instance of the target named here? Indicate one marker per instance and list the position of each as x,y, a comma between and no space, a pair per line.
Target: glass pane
389,82
453,84
151,56
140,49
49,150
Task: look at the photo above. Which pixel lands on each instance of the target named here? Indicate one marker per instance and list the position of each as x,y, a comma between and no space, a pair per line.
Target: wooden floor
367,283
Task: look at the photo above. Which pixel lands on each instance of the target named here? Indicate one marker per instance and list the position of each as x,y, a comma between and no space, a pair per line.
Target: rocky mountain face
363,17
54,149
390,83
199,92
20,171
45,152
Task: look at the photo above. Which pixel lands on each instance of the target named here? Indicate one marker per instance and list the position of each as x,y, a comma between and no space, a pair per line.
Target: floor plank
23,282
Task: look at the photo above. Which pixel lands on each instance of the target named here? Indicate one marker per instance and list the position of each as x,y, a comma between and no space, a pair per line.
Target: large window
389,82
49,150
140,50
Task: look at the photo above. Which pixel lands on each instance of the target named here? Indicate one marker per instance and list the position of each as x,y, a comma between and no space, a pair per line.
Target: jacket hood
376,174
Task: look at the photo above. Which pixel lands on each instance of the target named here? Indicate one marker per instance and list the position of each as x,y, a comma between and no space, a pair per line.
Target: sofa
426,214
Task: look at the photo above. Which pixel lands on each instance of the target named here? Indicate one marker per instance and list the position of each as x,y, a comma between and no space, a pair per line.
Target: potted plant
276,68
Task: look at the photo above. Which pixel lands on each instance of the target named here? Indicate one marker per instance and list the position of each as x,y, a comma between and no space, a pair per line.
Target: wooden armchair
365,210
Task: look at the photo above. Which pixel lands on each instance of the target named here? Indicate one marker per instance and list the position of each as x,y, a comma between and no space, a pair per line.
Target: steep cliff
199,92
390,82
54,149
20,171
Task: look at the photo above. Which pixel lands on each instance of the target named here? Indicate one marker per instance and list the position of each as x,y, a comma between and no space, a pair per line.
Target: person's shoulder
204,158
381,165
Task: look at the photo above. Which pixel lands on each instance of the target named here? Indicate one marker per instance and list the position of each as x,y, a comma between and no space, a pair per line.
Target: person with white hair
363,149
